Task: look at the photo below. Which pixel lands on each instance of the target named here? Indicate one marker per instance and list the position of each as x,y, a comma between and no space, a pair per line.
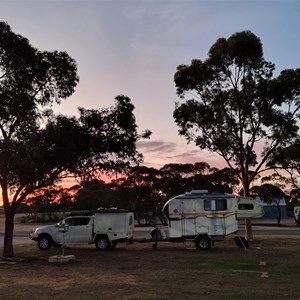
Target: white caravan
204,217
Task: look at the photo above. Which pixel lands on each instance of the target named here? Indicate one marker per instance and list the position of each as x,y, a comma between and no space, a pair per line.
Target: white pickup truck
105,229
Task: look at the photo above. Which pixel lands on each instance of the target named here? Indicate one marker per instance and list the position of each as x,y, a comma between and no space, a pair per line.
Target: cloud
158,153
156,146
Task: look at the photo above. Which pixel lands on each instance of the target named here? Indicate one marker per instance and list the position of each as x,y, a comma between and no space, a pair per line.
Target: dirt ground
269,269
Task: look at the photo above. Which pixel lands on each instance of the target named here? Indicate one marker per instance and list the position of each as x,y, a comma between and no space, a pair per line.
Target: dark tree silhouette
38,148
237,103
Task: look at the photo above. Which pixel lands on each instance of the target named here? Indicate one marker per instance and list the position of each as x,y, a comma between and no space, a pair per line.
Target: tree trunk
248,230
8,250
279,214
10,210
248,223
246,188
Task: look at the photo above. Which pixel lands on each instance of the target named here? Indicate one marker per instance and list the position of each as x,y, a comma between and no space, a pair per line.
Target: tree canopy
288,158
144,190
271,194
39,148
237,108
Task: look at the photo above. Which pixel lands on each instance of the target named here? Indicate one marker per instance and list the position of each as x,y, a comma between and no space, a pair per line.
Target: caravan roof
203,194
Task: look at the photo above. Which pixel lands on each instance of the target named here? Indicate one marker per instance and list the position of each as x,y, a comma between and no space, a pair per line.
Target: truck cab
80,229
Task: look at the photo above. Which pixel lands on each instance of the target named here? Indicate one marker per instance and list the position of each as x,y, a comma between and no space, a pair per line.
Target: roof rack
199,192
203,194
100,210
109,210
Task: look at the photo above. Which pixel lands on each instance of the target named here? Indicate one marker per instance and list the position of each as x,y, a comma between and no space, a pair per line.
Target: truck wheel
102,243
44,242
203,242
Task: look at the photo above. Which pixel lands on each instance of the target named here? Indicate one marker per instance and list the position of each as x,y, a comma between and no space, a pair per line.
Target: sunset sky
133,48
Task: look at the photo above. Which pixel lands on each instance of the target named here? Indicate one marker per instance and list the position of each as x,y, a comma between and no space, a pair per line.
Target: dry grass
269,269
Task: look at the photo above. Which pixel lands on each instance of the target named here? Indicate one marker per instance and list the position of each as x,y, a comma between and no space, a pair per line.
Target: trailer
203,217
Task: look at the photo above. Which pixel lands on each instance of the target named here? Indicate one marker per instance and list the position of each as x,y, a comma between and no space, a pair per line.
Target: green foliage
268,192
140,192
145,190
288,158
93,195
50,199
295,196
271,194
236,104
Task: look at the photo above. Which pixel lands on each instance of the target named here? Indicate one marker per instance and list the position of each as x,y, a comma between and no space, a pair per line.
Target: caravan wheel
203,242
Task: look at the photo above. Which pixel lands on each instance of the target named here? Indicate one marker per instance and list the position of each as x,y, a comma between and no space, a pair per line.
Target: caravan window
246,206
215,204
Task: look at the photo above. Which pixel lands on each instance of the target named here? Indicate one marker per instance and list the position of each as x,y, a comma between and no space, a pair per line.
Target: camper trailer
204,217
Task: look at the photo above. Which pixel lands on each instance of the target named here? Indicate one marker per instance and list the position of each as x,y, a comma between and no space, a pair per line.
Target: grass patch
227,266
284,268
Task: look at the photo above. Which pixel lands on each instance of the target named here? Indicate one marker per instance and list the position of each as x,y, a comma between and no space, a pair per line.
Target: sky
132,47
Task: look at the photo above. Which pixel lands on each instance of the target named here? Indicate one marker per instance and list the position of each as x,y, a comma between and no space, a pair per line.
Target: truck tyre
102,243
44,242
203,242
